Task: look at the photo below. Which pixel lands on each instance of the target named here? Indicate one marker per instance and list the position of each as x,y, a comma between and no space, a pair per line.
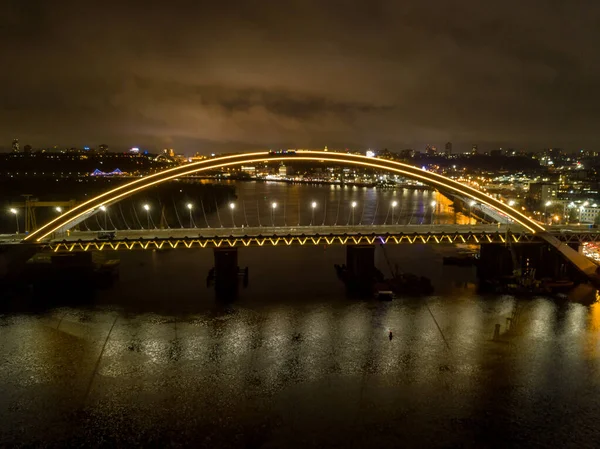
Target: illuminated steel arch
71,217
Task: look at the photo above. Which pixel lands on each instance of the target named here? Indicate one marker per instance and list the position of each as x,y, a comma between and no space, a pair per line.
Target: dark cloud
246,74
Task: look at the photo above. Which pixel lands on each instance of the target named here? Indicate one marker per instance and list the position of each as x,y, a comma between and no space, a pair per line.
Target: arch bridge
526,227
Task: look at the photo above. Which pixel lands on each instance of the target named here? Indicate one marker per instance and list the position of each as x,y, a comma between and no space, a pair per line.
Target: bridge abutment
497,260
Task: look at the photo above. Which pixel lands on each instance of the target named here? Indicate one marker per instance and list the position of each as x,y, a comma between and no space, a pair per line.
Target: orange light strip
145,244
427,177
129,184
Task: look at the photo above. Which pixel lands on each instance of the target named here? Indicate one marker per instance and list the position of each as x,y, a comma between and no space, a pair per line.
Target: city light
147,207
274,205
472,203
231,206
433,203
511,203
190,206
548,203
313,204
394,203
102,208
58,209
13,211
354,204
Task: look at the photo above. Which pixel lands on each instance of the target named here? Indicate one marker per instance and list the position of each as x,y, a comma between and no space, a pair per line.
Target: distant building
103,148
542,192
283,170
407,154
15,146
251,170
448,148
431,150
588,214
474,149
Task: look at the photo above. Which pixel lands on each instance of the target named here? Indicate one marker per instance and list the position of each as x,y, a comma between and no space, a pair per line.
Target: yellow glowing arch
406,170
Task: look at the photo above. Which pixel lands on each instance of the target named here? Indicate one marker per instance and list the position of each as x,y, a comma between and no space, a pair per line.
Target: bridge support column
226,271
13,259
494,261
360,272
360,261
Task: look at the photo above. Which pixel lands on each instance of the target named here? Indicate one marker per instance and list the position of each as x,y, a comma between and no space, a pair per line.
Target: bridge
281,235
56,235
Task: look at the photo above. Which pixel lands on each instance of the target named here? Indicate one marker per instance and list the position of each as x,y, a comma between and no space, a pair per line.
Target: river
157,360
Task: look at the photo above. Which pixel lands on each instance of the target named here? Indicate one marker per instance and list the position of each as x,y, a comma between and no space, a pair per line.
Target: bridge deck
584,264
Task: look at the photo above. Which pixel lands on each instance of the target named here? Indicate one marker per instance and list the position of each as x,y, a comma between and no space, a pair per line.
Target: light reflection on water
295,363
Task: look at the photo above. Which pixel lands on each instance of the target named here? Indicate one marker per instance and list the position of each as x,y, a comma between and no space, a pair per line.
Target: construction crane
30,204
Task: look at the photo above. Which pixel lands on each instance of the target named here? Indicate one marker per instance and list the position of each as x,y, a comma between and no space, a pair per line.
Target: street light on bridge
232,208
14,211
394,204
354,204
147,209
313,206
273,207
190,207
103,209
471,204
58,209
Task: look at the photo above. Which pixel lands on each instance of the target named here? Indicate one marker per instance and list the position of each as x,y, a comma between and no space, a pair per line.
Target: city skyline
247,76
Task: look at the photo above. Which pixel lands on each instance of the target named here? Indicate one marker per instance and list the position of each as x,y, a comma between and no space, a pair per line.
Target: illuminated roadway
286,230
563,233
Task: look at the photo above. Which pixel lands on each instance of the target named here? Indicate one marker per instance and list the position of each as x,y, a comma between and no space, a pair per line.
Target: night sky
239,75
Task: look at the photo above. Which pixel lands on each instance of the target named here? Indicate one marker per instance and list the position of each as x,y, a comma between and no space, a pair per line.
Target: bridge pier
496,261
226,272
360,272
360,261
13,259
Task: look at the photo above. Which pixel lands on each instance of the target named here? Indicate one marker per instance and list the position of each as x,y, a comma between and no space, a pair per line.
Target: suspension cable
258,214
136,217
245,216
218,215
111,221
400,214
204,213
123,216
376,209
363,212
97,221
386,215
177,213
